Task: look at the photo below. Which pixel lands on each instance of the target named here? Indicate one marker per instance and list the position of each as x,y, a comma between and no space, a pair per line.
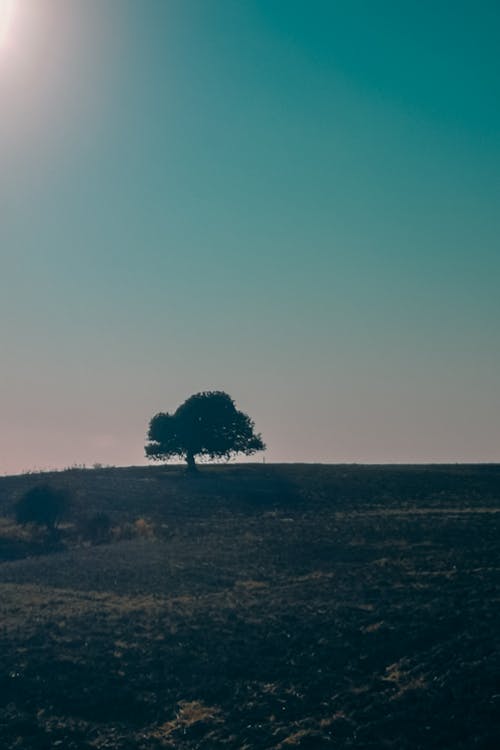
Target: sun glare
6,14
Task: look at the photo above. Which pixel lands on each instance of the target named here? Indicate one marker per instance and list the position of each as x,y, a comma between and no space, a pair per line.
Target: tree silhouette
206,424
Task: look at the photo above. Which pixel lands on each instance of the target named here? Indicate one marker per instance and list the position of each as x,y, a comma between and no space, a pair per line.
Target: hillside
257,607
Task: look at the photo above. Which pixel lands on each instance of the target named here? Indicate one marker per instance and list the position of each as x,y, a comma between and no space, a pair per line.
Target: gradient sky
296,202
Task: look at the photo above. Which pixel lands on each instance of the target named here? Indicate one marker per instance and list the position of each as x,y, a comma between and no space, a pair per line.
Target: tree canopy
206,424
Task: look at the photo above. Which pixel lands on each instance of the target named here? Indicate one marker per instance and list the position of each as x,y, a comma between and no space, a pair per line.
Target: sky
295,202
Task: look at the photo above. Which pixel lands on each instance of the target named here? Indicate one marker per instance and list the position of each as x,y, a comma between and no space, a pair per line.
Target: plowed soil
275,607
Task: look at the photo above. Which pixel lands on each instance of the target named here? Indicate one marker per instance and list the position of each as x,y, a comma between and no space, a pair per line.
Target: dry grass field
255,608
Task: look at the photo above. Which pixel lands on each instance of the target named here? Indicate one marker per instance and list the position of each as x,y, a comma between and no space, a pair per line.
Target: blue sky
294,202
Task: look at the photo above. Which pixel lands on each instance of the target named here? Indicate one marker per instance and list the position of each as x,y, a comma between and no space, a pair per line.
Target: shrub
42,505
140,528
97,528
144,528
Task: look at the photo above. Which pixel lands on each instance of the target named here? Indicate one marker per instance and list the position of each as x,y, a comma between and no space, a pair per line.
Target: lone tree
207,424
42,505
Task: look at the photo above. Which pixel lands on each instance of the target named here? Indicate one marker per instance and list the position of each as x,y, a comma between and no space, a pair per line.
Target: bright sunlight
6,14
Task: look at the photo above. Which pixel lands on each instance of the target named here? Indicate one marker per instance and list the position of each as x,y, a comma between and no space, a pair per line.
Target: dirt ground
269,608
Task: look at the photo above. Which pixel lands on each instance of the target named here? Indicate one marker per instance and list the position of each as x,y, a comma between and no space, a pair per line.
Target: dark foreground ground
259,608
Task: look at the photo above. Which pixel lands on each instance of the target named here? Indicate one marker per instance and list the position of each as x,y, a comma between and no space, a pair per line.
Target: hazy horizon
294,203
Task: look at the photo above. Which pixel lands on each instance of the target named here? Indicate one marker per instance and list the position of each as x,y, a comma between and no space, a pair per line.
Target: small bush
140,528
97,528
144,528
124,532
42,505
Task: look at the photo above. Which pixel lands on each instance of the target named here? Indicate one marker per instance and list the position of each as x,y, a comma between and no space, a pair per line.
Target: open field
267,607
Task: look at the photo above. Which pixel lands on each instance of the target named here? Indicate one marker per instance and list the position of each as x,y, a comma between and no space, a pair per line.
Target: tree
206,424
42,505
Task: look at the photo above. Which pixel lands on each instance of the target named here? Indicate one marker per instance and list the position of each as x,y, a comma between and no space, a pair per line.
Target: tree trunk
191,466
